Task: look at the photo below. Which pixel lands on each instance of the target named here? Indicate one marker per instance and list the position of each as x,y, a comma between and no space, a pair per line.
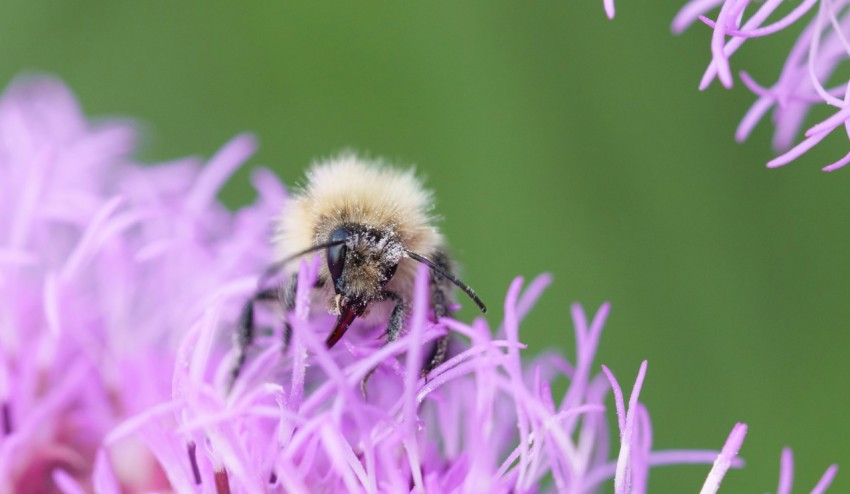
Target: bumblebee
374,224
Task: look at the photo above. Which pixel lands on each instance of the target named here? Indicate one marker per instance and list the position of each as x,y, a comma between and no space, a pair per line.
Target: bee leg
288,299
439,301
438,355
394,328
396,317
245,330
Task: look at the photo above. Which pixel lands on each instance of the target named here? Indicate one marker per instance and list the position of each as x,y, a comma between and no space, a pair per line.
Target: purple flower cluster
808,77
119,287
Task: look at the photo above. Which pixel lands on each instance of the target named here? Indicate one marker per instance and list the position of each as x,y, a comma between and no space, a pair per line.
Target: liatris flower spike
805,79
120,286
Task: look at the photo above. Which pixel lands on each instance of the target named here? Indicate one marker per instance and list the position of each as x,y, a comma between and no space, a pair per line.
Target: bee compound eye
336,256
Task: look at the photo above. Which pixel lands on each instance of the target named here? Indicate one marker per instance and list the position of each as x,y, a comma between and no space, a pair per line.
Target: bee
373,223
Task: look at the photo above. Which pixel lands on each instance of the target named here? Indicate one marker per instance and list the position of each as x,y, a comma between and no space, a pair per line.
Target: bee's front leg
394,330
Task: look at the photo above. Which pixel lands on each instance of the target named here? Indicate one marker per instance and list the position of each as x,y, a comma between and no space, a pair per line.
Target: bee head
362,261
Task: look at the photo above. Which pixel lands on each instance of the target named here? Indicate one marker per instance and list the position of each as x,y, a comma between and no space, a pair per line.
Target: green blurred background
557,141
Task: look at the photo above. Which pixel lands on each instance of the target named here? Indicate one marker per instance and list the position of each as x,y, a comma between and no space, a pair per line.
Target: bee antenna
463,286
278,266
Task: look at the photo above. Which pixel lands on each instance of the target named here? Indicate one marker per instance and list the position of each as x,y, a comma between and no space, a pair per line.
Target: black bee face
363,262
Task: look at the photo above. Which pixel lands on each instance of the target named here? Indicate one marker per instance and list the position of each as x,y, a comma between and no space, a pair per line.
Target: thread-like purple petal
786,472
725,459
825,480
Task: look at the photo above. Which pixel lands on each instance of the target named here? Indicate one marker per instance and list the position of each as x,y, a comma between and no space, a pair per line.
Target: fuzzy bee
373,223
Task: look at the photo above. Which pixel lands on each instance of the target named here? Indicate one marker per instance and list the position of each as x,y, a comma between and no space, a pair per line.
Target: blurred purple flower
119,285
806,78
803,81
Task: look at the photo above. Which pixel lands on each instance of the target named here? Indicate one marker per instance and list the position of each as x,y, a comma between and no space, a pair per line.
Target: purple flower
802,83
104,264
120,287
813,58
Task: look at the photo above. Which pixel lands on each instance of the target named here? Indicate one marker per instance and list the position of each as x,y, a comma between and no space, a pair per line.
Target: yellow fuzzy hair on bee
348,190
